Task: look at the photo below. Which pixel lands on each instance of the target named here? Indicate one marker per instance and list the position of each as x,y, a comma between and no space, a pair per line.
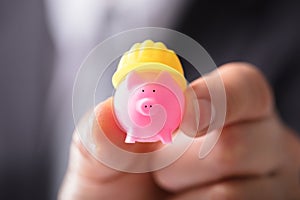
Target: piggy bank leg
129,139
166,138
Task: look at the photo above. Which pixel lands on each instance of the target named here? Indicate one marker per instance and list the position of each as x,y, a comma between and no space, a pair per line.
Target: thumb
97,145
99,139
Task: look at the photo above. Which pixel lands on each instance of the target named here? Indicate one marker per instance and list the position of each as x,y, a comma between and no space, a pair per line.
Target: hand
256,156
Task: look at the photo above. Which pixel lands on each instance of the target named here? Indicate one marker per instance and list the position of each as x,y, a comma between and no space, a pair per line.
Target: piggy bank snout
144,105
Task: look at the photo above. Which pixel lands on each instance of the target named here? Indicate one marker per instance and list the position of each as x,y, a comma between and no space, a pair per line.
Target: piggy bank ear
166,79
133,79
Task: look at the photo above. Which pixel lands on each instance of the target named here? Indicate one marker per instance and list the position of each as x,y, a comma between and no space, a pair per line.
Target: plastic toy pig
148,101
154,109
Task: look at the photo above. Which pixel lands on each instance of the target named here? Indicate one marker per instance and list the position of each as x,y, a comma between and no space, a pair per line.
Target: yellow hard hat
146,53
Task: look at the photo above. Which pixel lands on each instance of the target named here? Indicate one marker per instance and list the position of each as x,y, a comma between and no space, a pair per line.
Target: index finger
248,95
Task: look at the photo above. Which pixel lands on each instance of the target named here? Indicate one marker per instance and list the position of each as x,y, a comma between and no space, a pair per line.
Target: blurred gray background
43,43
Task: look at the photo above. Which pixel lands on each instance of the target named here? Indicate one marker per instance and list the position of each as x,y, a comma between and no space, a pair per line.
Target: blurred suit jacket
265,33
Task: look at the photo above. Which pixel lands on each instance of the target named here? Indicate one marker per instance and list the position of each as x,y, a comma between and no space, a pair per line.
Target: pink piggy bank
149,111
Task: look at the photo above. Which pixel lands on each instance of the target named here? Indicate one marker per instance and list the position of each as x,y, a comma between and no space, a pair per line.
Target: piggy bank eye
143,90
153,90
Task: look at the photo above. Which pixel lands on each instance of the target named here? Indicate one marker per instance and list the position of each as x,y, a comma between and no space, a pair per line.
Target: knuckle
164,181
253,76
229,149
249,79
224,192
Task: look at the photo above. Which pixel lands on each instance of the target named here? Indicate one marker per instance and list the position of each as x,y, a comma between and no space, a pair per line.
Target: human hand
256,156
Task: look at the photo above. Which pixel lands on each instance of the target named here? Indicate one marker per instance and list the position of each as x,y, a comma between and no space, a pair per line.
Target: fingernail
207,114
